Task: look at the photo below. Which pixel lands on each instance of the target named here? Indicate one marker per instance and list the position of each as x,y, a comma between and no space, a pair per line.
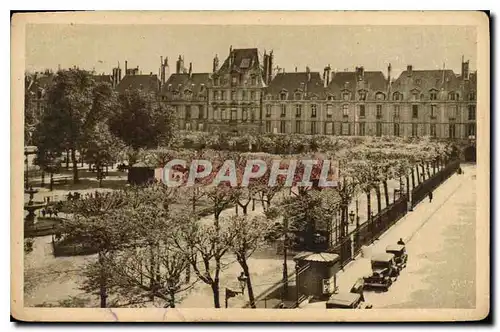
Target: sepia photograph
226,166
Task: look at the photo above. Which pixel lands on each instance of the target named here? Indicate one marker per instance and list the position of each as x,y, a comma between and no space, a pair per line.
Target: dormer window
202,88
217,81
254,80
331,98
362,95
472,95
380,96
433,95
418,81
283,95
314,109
345,96
298,96
415,95
234,80
397,96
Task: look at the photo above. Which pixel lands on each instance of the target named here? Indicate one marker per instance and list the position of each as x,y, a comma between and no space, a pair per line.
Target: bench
60,179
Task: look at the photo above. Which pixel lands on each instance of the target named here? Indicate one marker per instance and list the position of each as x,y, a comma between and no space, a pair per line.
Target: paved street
440,239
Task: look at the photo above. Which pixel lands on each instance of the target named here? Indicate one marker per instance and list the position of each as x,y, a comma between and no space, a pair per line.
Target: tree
205,242
101,223
141,121
69,106
101,148
247,234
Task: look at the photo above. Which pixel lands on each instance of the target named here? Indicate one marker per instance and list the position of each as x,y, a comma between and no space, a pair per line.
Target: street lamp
242,279
351,217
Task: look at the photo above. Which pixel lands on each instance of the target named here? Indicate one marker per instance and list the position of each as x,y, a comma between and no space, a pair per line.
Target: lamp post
351,217
229,293
357,215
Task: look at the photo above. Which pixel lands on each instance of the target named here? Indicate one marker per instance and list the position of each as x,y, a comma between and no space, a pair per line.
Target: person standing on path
430,196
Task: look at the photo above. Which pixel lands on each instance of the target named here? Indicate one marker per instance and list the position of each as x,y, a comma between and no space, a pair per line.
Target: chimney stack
190,69
266,66
389,73
360,73
126,70
308,71
215,66
409,70
326,76
270,66
465,69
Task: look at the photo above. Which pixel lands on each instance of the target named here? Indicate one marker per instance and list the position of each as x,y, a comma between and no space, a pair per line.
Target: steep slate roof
180,82
103,78
146,82
293,81
425,80
242,59
373,81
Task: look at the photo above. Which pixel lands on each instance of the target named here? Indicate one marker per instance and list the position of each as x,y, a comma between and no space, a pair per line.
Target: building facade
235,91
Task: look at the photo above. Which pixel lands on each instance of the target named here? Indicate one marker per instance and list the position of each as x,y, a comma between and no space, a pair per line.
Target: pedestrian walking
430,196
401,242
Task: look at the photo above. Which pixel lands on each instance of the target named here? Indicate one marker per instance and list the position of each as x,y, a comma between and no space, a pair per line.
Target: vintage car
384,272
347,301
400,255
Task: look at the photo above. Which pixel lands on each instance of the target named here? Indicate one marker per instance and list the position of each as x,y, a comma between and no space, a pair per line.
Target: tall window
313,110
472,95
283,110
414,129
433,111
233,95
298,127
188,112
414,111
216,114
254,80
451,130
234,114
201,112
361,111
329,111
378,129
244,114
234,80
452,96
396,111
345,110
472,112
471,129
329,128
362,95
200,127
346,129
268,110
298,111
361,129
256,96
252,95
453,112
283,127
268,127
379,111
217,81
223,95
396,129
433,130
313,127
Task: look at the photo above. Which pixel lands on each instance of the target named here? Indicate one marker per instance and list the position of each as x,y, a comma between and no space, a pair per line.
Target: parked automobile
384,272
400,255
347,301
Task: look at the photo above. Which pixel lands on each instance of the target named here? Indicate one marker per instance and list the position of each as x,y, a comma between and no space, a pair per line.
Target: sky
101,47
